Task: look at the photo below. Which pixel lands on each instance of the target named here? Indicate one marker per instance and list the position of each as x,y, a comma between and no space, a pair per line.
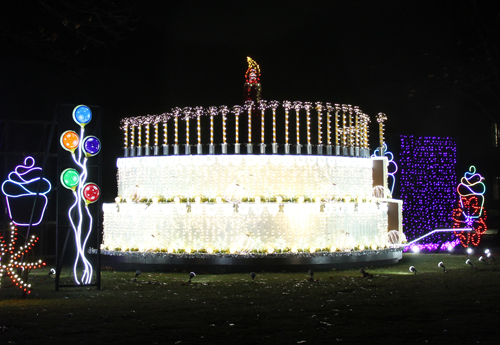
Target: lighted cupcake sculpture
470,212
23,186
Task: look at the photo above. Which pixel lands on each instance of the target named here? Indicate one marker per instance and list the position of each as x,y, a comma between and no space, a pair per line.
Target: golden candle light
132,136
156,133
351,126
125,133
287,105
308,107
198,113
329,108
248,106
187,114
274,105
381,117
297,105
224,110
139,135
236,111
319,109
262,108
176,130
165,133
337,129
344,125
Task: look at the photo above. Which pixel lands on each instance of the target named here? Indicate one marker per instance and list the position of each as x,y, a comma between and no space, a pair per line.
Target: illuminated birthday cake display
311,193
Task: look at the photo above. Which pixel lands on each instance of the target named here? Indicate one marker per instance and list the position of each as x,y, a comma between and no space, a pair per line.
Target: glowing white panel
259,175
253,227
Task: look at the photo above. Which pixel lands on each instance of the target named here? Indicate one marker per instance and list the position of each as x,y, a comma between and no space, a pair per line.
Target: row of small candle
353,133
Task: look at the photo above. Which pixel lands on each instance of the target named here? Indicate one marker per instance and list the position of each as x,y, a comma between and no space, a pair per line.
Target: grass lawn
393,307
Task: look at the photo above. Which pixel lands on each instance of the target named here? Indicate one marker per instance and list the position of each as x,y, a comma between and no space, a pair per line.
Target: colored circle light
82,115
91,146
90,193
70,141
70,178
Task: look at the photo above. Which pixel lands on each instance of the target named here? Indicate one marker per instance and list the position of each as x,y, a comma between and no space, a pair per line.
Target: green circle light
70,178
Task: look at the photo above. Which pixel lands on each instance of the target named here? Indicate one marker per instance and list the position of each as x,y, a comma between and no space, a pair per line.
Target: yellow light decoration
287,105
329,108
344,125
224,110
274,105
139,136
308,107
237,110
156,134
132,136
319,109
381,117
249,106
297,106
176,130
125,133
337,129
351,127
357,126
165,133
262,108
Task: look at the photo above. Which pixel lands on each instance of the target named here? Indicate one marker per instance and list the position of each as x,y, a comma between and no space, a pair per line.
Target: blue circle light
82,115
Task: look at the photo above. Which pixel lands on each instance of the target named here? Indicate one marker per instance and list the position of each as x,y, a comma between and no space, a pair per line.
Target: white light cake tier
263,227
307,203
264,176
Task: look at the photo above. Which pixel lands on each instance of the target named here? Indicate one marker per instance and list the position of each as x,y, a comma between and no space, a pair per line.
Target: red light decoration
15,261
252,89
470,212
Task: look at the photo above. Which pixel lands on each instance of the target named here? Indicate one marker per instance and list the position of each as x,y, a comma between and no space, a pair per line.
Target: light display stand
309,149
263,149
89,218
320,149
298,149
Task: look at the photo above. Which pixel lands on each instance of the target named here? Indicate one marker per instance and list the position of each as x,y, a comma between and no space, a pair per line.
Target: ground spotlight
441,265
137,274
52,271
412,269
468,262
252,275
191,276
311,275
365,274
483,260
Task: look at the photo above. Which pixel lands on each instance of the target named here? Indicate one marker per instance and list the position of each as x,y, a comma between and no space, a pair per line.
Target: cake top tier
256,123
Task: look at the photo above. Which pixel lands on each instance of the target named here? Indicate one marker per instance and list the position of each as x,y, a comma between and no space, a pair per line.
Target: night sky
431,66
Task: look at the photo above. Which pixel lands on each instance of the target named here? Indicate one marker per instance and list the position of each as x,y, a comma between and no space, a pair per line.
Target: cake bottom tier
249,227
